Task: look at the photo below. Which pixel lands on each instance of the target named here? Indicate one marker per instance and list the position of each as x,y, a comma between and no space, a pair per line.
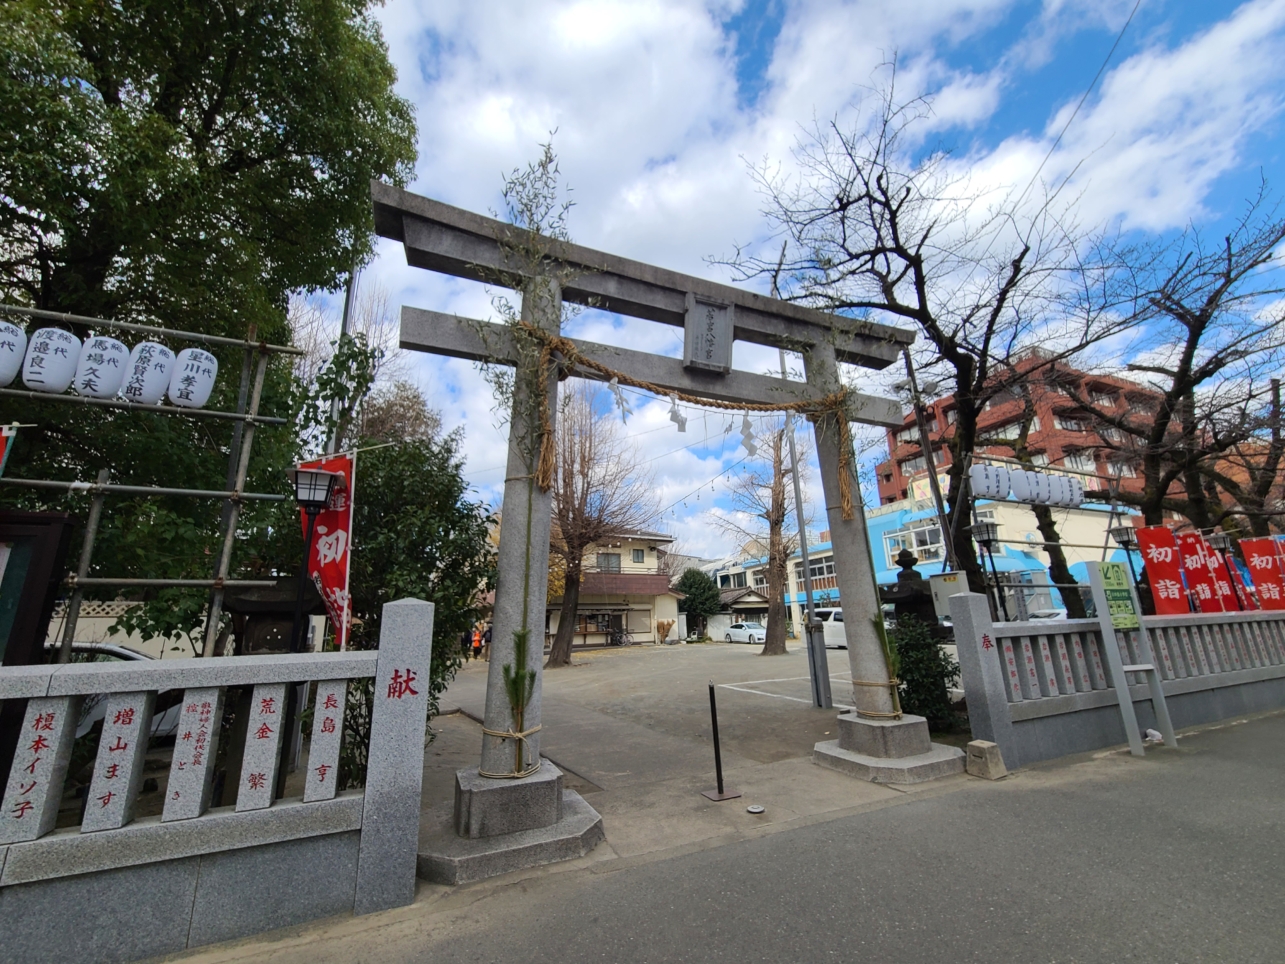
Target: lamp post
986,534
1126,537
313,489
1221,541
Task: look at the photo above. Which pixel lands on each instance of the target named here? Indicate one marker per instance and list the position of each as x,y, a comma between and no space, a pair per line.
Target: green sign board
1115,583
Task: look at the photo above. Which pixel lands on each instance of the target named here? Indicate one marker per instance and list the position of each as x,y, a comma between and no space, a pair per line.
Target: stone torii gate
530,811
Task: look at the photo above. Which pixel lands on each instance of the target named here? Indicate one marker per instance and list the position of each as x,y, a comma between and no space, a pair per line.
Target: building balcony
632,582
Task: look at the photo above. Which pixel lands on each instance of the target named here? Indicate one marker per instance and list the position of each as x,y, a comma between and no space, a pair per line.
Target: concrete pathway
1174,858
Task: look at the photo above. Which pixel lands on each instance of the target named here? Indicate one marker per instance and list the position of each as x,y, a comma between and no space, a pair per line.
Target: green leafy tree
191,164
700,596
926,673
415,534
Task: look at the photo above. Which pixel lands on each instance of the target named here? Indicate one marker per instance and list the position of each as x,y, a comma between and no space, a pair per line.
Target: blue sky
658,105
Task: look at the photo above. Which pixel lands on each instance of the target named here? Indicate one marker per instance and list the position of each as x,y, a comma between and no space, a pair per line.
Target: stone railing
1044,688
117,888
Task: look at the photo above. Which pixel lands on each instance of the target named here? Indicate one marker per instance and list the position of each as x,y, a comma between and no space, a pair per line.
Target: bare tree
875,227
761,496
316,326
395,412
1209,338
597,493
1251,472
1059,571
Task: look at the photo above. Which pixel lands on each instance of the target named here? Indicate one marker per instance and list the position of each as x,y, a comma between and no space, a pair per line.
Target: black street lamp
313,489
986,534
1126,537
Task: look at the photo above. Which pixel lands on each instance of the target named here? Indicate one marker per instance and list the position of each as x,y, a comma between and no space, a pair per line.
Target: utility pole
925,446
332,437
813,632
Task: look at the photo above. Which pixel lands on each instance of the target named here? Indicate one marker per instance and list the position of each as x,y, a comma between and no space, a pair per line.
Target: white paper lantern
1041,488
13,345
1076,496
1001,483
148,373
989,481
1059,490
101,368
1019,481
51,359
193,378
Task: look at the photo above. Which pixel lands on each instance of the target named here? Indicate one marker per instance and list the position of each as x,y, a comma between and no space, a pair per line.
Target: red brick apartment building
1059,437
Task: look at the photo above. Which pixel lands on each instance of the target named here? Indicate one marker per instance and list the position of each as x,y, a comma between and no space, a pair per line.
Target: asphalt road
1176,858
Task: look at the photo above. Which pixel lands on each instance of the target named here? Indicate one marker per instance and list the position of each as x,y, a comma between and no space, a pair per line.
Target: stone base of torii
510,813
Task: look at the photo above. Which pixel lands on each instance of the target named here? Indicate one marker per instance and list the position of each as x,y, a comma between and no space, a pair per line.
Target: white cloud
652,139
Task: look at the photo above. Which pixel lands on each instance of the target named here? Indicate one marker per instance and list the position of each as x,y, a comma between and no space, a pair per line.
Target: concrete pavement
1175,857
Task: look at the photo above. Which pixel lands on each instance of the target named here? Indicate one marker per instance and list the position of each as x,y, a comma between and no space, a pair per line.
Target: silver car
94,708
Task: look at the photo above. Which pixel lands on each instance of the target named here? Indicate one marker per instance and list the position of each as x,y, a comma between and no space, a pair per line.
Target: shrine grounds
1178,857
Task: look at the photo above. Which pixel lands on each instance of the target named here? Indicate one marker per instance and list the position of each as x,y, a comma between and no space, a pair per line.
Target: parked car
745,633
1047,614
832,628
94,708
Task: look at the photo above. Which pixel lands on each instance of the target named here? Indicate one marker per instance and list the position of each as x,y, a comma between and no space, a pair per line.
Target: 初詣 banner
1163,563
1263,556
332,538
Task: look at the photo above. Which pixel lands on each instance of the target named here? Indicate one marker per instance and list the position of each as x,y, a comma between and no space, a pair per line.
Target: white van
832,628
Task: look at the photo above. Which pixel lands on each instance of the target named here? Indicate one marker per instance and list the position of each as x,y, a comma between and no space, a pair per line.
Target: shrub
926,673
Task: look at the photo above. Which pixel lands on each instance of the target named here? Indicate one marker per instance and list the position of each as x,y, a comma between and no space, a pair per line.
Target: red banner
1263,557
332,538
6,444
1164,570
1198,570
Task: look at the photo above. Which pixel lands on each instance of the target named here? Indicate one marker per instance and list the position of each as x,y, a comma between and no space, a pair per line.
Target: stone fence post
983,674
395,767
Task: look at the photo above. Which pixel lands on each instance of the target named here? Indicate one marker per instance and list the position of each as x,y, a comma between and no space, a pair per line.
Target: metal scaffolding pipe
147,329
137,407
94,581
96,487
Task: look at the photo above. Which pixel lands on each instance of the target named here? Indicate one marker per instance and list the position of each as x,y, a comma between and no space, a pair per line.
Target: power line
1088,90
709,481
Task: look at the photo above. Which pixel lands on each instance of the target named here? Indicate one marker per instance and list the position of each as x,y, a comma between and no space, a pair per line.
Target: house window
951,415
1109,432
922,539
637,555
608,562
594,623
738,580
1080,462
1040,459
1069,424
917,464
1122,468
1005,395
725,581
1102,399
760,579
817,567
